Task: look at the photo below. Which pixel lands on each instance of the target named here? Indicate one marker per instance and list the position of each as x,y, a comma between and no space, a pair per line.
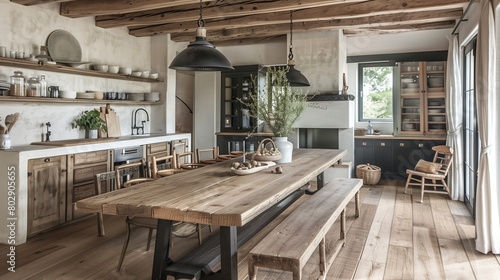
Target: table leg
228,253
162,249
320,180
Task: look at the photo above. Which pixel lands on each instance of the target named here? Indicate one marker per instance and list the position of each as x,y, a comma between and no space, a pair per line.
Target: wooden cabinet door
180,146
46,193
363,151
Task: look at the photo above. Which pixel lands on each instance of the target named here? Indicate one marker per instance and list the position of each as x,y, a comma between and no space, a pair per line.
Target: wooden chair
186,161
164,166
207,156
431,175
131,173
103,182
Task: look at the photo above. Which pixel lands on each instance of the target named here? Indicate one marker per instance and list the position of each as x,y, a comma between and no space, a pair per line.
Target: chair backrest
206,154
443,156
183,158
105,182
129,171
163,163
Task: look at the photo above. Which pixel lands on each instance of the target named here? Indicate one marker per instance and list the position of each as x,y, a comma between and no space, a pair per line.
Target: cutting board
112,122
102,133
74,142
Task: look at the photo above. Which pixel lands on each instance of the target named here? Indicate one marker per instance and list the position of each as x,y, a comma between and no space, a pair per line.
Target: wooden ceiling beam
85,8
400,28
361,22
211,10
37,2
341,11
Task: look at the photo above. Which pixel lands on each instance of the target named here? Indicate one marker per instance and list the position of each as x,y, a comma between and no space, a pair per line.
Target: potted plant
278,106
91,122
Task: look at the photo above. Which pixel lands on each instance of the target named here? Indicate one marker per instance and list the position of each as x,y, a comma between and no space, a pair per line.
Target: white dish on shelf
435,111
85,95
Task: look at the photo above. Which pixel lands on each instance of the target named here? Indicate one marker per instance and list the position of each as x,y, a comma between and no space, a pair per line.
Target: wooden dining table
213,195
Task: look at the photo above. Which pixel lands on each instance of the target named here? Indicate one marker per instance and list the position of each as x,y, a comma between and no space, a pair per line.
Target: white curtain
488,195
454,103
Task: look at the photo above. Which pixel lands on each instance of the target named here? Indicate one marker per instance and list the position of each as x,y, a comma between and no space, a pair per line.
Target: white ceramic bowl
113,69
145,74
67,94
153,76
136,73
125,70
85,95
409,126
101,67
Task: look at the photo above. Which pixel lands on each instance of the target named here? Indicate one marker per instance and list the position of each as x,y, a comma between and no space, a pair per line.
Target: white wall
265,54
25,28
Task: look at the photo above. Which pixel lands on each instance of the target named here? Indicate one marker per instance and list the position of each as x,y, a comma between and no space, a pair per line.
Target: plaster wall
25,28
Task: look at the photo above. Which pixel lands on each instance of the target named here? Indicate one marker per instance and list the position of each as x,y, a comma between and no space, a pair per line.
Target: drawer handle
63,170
382,144
401,144
420,145
364,144
47,160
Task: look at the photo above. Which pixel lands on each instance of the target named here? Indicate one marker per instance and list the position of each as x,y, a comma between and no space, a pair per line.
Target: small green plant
278,105
89,120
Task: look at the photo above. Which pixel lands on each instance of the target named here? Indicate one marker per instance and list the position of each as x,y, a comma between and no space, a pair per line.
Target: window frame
361,66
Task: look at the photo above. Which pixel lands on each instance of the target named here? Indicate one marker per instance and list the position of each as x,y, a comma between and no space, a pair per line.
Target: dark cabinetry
394,156
234,142
238,88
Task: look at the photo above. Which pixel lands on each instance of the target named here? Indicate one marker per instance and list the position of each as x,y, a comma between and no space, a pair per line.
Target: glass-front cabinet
239,87
422,98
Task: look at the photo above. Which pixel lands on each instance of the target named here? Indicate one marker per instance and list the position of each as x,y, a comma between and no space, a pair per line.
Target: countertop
399,137
38,151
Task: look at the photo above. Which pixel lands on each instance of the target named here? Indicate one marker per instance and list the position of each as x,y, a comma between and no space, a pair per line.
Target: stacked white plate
67,94
136,96
85,95
152,96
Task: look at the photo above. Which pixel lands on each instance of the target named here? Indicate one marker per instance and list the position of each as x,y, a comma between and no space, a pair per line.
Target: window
376,92
471,133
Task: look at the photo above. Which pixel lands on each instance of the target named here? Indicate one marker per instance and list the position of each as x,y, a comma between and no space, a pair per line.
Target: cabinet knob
30,173
63,170
47,160
364,144
401,144
382,144
420,145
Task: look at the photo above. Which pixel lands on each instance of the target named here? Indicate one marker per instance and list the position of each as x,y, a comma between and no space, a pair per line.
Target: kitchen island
15,176
212,195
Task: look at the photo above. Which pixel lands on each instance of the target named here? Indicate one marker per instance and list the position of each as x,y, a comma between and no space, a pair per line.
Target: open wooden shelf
85,101
71,70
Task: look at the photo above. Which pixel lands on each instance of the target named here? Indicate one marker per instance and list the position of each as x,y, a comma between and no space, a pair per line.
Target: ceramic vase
91,133
285,147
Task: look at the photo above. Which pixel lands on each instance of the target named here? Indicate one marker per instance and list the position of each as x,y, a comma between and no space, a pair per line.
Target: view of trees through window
377,92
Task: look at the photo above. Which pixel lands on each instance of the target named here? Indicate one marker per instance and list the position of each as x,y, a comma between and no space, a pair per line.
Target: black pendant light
294,76
200,55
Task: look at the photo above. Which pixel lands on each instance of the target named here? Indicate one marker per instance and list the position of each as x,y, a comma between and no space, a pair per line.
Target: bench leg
356,200
297,273
342,225
322,258
252,270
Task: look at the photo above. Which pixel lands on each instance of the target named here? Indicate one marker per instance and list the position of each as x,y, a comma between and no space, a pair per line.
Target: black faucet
134,121
47,135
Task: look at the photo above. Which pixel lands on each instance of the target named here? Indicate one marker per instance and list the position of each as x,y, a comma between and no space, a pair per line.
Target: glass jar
17,82
33,87
43,86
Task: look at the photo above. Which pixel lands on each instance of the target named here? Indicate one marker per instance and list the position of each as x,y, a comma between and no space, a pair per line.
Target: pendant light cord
201,22
290,55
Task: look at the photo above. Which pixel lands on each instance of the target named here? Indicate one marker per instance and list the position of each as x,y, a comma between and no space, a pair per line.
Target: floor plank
426,255
456,263
399,263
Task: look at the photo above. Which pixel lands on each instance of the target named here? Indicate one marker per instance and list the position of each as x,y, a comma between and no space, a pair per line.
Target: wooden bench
290,245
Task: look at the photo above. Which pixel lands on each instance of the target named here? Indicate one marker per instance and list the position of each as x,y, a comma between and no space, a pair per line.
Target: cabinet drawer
87,173
402,144
84,191
158,148
363,143
382,143
91,157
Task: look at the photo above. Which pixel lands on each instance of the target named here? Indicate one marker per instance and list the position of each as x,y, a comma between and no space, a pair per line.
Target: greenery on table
277,105
90,120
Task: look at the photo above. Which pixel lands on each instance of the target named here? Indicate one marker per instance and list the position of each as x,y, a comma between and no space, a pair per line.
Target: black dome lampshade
200,55
295,78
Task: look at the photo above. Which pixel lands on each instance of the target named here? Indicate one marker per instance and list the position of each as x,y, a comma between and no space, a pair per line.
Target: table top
214,195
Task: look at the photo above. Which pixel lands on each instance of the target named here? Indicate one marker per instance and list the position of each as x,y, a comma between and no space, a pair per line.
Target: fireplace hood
328,111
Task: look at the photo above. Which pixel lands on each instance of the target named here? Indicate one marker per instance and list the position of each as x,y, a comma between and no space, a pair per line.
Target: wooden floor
395,237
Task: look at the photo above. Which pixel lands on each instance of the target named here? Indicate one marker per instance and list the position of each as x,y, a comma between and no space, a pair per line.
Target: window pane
377,93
